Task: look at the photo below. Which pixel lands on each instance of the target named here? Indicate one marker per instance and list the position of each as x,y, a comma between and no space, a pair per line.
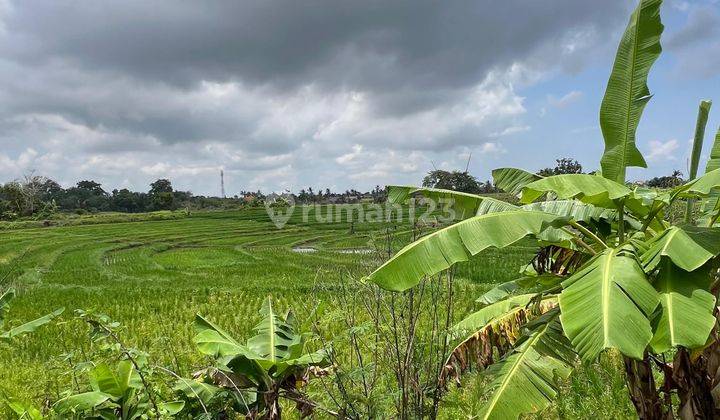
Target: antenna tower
222,184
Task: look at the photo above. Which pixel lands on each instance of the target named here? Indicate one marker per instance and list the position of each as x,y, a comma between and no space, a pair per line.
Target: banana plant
711,205
272,364
24,410
703,113
116,394
25,328
610,273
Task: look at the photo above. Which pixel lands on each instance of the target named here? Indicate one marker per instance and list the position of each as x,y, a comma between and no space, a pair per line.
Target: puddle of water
304,249
355,251
309,250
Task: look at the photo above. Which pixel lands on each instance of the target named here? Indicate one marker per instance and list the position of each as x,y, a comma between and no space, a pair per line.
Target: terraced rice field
154,276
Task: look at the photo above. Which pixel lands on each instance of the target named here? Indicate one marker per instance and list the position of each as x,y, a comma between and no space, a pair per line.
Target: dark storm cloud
362,44
261,84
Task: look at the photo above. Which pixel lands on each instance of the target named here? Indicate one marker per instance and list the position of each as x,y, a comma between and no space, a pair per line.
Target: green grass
69,219
153,276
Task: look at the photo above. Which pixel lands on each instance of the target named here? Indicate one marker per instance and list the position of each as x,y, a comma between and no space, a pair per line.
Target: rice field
153,276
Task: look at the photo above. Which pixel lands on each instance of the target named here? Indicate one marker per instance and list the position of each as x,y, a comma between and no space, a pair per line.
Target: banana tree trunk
272,403
643,391
269,400
696,377
694,385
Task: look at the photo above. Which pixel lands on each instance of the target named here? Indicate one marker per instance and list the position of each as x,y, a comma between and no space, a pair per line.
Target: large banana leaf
318,358
574,210
492,205
479,319
82,402
499,292
702,119
607,304
445,247
463,204
565,209
687,308
30,326
703,186
712,202
275,339
714,160
651,197
627,92
398,194
469,204
481,346
689,247
23,410
195,389
589,189
512,180
214,341
526,380
103,379
171,408
534,284
256,371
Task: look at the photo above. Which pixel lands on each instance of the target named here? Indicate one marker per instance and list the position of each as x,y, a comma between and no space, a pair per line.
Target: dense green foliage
40,198
457,181
612,273
153,277
562,166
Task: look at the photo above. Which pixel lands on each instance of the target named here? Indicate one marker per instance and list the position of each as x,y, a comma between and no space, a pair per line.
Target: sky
332,94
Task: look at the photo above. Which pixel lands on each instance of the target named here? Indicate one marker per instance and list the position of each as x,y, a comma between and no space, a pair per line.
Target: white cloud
492,149
511,130
352,156
480,112
565,100
662,151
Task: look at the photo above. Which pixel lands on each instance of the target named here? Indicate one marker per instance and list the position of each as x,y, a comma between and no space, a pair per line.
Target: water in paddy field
309,250
354,251
304,249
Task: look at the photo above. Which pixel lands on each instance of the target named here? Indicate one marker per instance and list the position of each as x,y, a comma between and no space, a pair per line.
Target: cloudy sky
338,94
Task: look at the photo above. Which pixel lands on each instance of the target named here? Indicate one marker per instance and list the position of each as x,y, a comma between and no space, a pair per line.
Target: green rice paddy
154,276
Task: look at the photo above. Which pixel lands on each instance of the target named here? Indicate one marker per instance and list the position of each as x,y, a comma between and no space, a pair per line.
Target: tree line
40,197
465,182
